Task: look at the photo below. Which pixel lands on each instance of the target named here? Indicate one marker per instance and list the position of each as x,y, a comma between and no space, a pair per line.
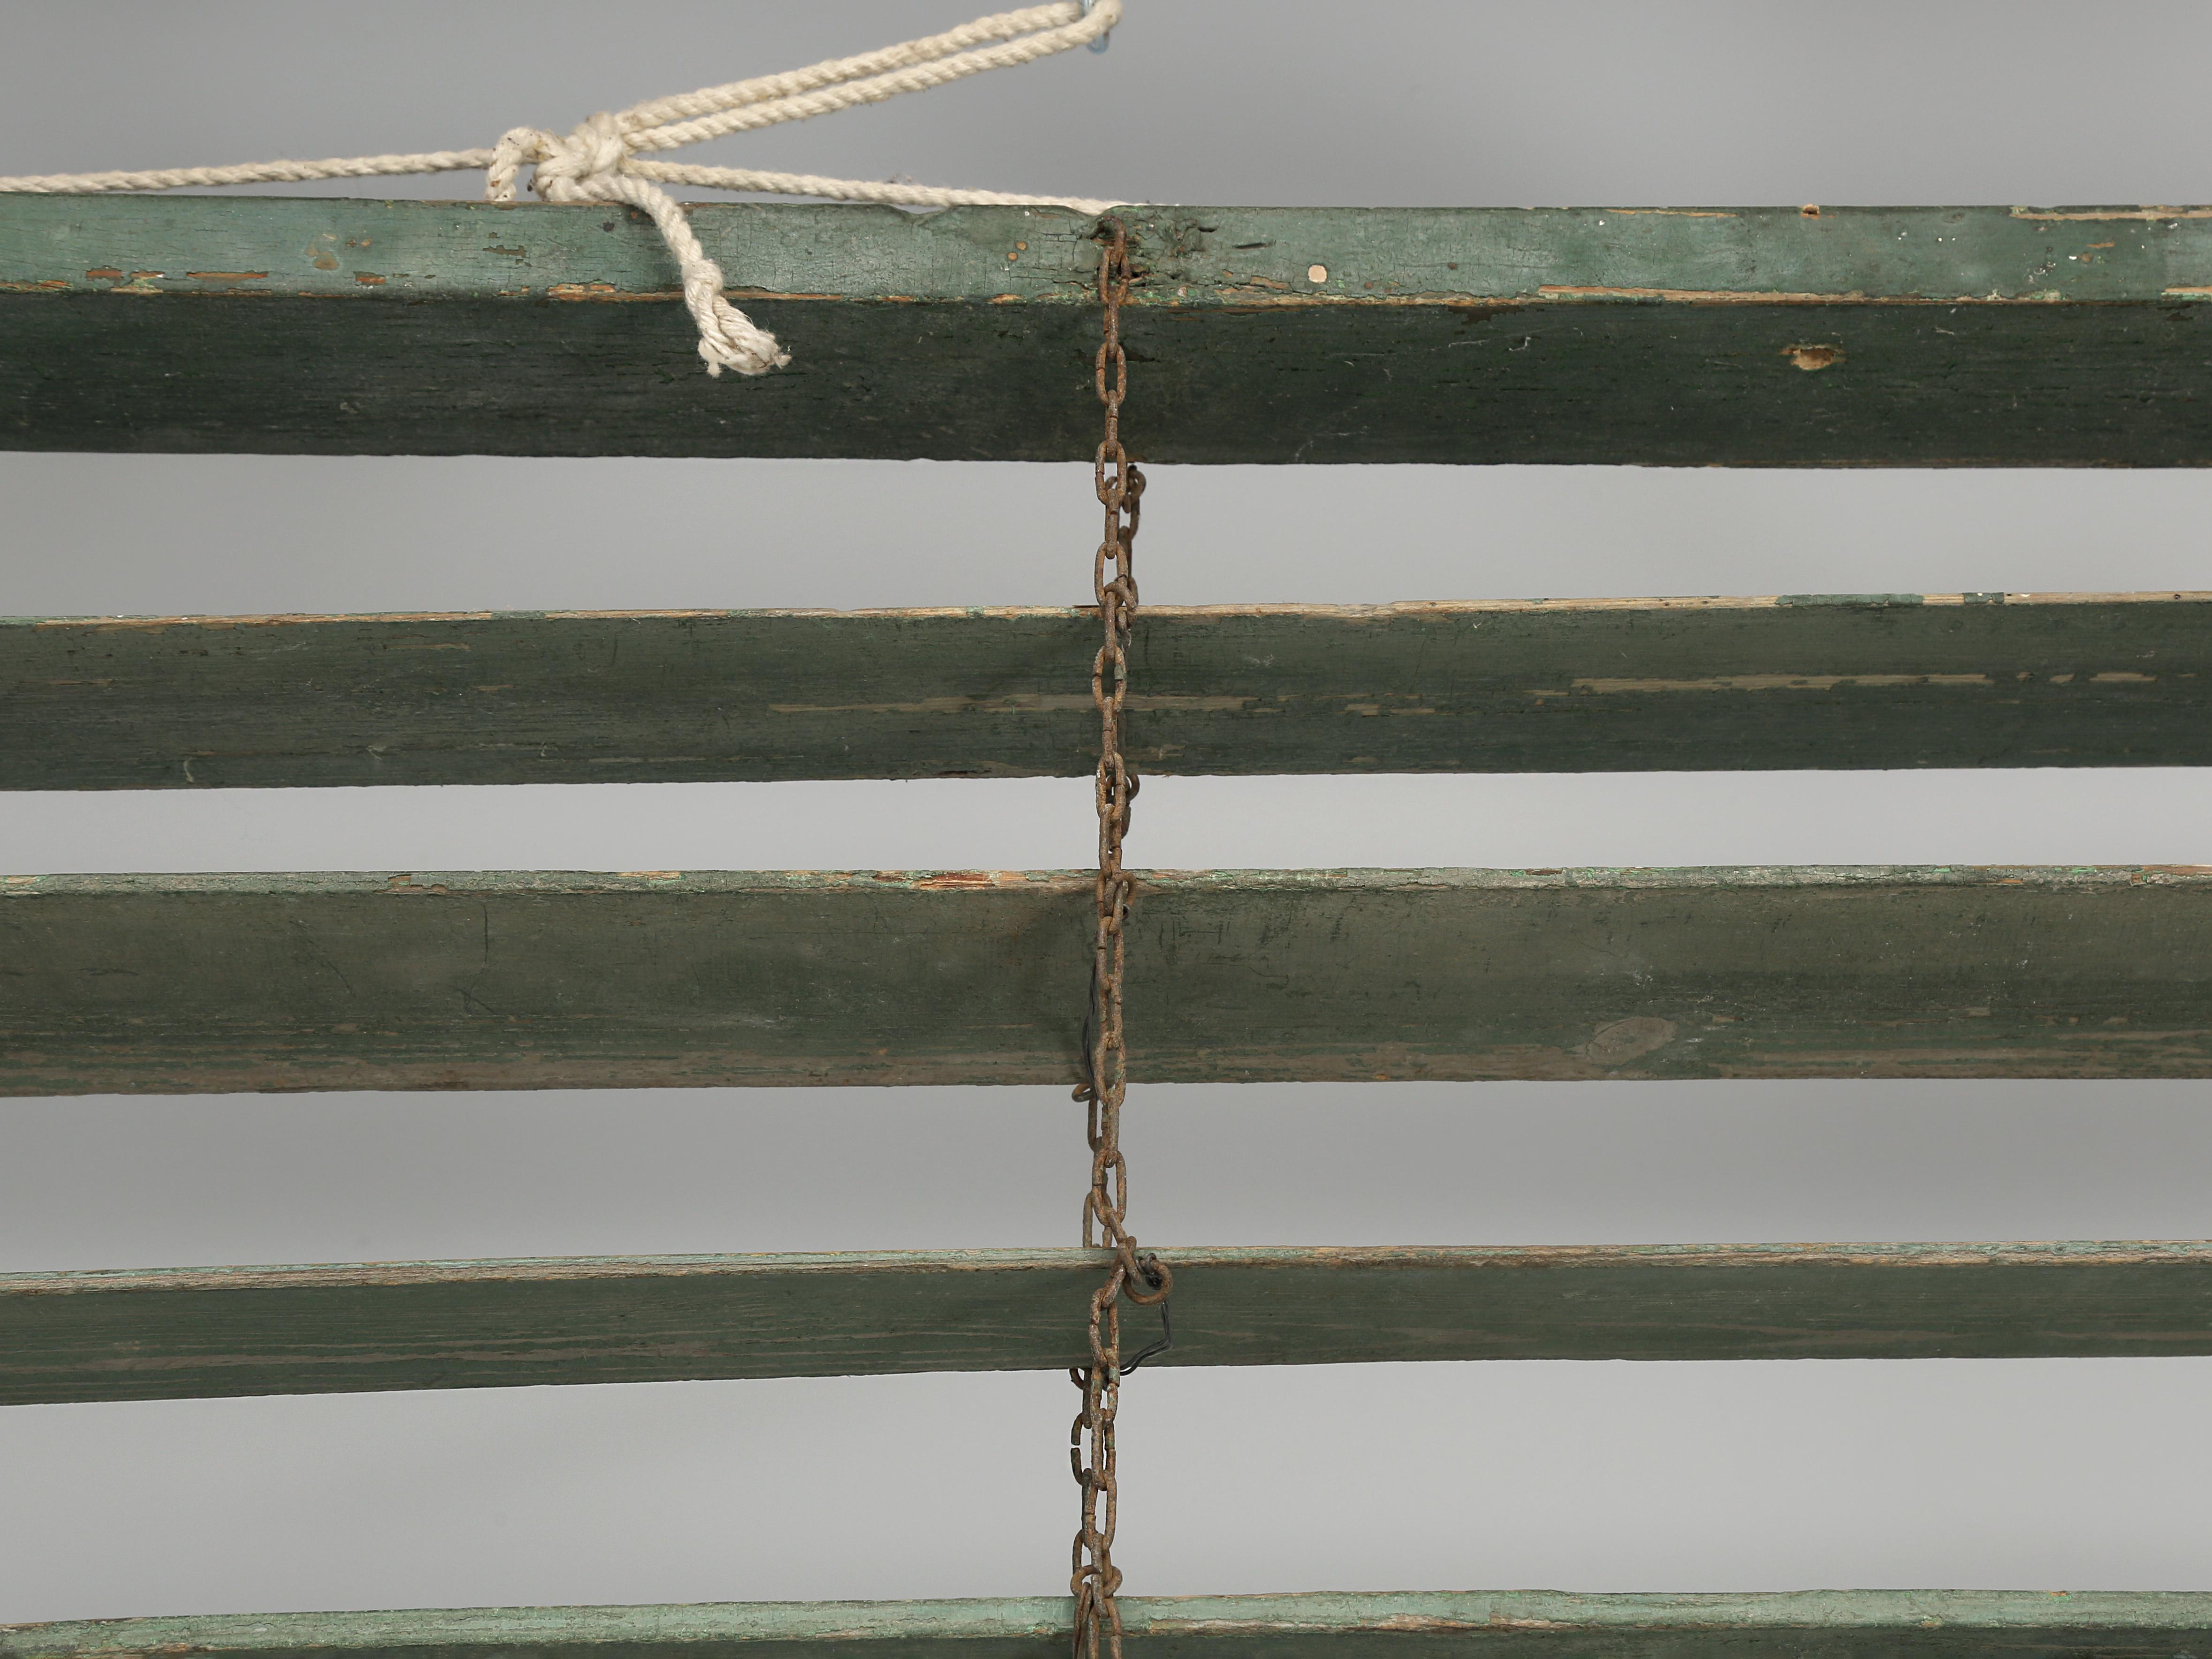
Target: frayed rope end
727,337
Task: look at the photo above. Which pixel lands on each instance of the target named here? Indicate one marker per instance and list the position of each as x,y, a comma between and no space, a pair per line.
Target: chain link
1144,1280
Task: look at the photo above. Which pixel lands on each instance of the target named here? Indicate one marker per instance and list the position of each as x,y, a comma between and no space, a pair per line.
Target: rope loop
517,147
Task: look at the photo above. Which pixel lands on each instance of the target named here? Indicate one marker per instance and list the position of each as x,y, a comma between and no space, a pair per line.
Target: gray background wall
2087,1474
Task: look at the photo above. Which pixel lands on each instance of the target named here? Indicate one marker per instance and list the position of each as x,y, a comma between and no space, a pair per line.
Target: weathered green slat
197,1332
1882,680
210,983
1794,1625
1746,337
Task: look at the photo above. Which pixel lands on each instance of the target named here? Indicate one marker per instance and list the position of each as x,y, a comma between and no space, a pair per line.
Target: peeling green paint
193,984
1942,336
1826,681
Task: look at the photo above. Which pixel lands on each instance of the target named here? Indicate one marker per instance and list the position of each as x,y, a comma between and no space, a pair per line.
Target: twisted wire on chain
1142,1279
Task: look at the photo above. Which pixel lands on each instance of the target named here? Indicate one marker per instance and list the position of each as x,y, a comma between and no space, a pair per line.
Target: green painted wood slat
194,984
1508,1624
1978,336
201,1332
1809,681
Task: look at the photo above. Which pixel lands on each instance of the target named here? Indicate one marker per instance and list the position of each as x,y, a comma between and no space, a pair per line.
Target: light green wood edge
2175,1625
890,1264
1711,877
372,251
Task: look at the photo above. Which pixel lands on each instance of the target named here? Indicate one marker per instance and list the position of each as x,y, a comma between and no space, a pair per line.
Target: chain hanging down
1143,1279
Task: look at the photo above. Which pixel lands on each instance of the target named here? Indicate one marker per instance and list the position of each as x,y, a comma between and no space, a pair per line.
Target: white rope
599,161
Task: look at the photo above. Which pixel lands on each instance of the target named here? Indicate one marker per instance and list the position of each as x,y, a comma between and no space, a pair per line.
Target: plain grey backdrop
2021,1474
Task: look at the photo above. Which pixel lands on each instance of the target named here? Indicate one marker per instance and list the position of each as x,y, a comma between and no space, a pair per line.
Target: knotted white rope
598,161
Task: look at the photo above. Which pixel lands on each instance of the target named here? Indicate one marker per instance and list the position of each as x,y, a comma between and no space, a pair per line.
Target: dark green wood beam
1508,1624
1848,337
192,1332
194,984
1568,685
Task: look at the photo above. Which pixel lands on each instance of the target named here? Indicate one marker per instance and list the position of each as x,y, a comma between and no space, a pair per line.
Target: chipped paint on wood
1509,1624
197,1333
1811,681
1196,256
198,984
1961,336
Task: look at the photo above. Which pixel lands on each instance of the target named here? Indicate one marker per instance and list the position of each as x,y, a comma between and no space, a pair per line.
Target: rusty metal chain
1144,1280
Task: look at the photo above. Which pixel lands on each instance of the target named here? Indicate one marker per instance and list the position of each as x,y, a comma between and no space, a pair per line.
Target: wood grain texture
194,1333
1794,1625
197,984
1743,337
1806,681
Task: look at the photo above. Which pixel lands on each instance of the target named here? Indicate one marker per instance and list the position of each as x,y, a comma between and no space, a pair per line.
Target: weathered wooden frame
199,984
1832,682
194,1332
1482,1625
1746,337
1738,336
